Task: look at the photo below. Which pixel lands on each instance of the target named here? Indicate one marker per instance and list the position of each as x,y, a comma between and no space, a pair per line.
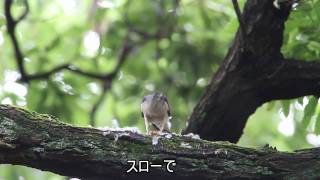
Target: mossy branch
41,141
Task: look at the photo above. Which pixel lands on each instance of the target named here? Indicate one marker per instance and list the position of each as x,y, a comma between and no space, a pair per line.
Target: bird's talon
153,133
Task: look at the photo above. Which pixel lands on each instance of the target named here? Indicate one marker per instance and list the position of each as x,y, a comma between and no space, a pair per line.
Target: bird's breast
153,110
153,117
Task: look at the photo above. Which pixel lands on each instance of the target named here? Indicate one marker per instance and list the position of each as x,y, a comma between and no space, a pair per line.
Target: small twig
96,106
240,18
54,43
68,67
144,34
11,25
125,51
25,13
108,78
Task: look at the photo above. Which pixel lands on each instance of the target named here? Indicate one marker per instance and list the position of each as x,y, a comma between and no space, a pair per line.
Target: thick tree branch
40,141
234,92
290,79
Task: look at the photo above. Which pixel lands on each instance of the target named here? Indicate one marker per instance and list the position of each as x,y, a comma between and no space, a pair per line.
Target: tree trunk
40,141
253,72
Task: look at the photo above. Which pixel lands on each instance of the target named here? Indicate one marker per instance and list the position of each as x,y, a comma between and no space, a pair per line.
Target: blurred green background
177,46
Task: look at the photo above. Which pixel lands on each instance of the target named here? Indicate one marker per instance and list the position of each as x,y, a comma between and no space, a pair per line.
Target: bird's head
158,97
155,99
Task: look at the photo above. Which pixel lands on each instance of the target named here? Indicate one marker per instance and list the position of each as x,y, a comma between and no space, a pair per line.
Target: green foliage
317,125
309,111
285,107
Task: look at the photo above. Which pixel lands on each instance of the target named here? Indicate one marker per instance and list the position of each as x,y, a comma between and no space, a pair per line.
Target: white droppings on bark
130,129
193,136
104,133
185,145
155,140
168,136
116,137
219,151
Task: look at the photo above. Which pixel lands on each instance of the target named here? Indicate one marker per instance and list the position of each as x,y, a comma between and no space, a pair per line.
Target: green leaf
314,46
271,105
317,125
309,111
285,107
300,100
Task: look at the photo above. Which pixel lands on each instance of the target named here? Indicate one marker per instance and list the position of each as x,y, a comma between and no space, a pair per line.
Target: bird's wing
142,114
168,106
143,100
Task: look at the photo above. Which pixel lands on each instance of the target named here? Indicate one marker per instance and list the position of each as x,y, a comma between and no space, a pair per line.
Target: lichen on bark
40,141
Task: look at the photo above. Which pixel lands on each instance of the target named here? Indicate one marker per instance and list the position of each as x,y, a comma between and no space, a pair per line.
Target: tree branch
41,141
96,106
69,67
108,78
11,26
25,13
239,15
291,79
221,113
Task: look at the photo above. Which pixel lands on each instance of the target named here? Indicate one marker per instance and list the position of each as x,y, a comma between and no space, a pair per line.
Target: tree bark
41,141
253,72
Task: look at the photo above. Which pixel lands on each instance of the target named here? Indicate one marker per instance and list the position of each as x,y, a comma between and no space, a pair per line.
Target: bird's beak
154,97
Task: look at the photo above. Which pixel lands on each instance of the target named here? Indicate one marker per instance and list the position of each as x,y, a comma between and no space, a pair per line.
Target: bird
156,111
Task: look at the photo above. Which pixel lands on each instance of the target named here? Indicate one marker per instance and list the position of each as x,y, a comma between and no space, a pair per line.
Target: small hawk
156,112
